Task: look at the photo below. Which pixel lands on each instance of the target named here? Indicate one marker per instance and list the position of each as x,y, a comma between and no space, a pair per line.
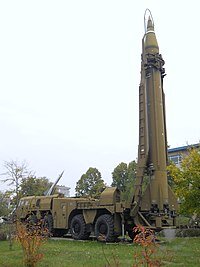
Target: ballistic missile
158,200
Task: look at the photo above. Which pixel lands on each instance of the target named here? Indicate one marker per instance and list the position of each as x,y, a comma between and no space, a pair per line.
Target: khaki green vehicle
109,217
81,216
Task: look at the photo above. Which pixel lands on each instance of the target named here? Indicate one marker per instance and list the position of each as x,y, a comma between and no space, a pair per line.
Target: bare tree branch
15,172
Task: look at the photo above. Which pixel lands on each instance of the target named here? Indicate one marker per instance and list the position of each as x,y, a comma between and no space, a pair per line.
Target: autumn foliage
31,238
186,182
148,255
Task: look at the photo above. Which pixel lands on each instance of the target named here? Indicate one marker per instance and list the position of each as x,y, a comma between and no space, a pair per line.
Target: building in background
176,154
62,189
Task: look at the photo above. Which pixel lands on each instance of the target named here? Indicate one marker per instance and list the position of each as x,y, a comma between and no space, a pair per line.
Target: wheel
104,228
31,222
78,228
33,219
48,223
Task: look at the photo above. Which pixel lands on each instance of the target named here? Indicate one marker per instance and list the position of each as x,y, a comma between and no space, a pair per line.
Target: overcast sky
70,72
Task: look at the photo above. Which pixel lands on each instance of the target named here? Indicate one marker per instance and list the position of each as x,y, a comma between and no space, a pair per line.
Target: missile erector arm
52,188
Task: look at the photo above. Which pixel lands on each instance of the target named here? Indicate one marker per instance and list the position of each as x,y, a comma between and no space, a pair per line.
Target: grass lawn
178,252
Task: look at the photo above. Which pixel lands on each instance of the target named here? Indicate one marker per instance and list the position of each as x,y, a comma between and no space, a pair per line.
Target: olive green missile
157,201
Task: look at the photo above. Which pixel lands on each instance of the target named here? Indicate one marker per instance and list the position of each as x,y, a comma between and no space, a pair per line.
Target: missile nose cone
150,26
151,44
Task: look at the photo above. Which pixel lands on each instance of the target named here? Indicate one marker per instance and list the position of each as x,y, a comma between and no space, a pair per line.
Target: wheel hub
76,228
103,229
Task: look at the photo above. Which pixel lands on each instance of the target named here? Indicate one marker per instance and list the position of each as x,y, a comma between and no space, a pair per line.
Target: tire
78,228
33,219
31,223
48,223
104,228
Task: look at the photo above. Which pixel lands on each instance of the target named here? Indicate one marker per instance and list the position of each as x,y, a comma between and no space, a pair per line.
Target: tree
22,181
186,182
120,176
123,177
14,174
90,184
34,186
132,166
4,203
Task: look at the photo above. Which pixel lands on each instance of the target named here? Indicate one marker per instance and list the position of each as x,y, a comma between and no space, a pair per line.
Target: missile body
158,200
153,64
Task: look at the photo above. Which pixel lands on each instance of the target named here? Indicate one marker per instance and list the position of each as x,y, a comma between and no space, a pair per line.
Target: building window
176,159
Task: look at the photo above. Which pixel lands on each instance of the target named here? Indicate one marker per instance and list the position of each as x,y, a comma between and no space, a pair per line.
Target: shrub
4,231
190,232
146,239
31,237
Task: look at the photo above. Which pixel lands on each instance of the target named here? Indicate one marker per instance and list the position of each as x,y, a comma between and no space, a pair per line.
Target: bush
148,256
4,231
31,237
188,232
